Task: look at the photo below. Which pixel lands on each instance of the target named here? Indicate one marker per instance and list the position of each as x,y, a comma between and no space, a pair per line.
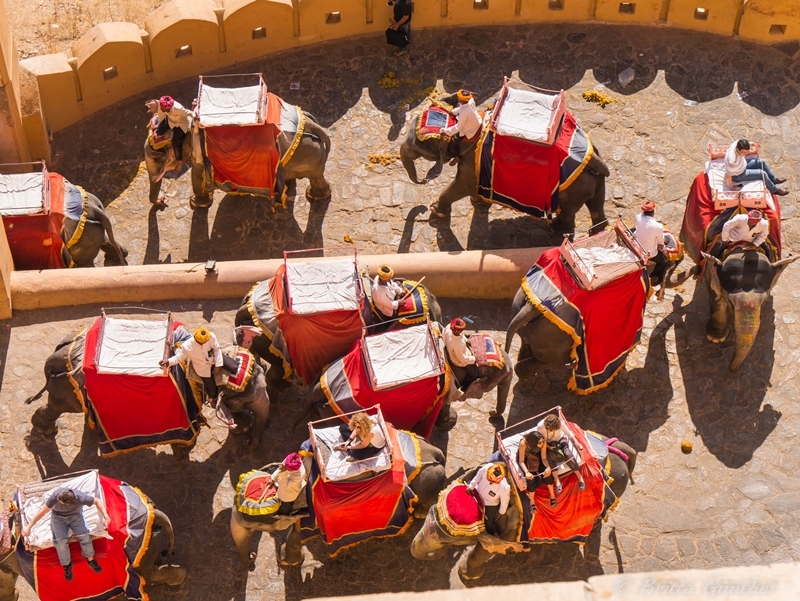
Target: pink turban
293,462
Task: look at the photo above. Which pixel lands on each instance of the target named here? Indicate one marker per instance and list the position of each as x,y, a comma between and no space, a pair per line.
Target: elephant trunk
427,544
526,314
746,321
408,162
161,519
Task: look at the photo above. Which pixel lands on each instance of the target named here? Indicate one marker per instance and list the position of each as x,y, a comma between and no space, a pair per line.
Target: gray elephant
433,539
249,314
426,486
307,160
154,566
589,188
742,282
250,406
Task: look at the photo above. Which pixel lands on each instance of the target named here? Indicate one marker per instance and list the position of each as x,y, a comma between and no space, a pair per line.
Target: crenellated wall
187,37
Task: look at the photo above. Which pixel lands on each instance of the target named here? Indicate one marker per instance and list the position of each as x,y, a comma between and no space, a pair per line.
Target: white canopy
322,286
230,106
132,346
402,356
525,113
22,193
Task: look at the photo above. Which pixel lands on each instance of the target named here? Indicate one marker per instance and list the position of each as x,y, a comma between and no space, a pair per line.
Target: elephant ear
713,276
780,266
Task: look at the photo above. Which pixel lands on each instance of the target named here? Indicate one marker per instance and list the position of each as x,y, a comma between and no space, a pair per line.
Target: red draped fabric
413,406
35,240
313,340
109,553
577,509
126,406
463,508
701,223
345,508
246,157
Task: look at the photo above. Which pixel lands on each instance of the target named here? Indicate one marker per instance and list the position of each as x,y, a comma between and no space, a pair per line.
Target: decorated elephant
587,189
251,313
64,383
426,485
91,233
433,539
154,566
742,282
307,151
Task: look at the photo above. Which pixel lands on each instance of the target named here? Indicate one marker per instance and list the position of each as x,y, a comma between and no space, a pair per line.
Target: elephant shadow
247,228
726,408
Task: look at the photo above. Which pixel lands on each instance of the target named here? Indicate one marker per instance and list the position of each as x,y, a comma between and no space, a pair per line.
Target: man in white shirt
750,227
173,115
458,351
494,490
650,234
738,169
385,292
290,479
468,122
204,353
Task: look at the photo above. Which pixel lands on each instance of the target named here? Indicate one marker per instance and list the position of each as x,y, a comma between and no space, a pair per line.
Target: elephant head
743,282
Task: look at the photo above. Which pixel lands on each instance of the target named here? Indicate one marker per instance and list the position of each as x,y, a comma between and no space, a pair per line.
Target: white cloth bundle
593,256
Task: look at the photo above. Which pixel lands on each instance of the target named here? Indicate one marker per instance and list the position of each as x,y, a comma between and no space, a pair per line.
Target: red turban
166,103
648,206
458,325
293,462
754,216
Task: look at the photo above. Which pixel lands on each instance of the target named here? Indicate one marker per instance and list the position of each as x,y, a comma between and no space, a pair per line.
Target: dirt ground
49,26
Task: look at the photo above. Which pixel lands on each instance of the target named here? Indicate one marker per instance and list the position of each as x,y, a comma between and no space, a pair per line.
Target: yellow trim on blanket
582,166
76,235
418,452
250,510
251,308
552,317
248,375
423,297
431,102
148,531
447,523
301,126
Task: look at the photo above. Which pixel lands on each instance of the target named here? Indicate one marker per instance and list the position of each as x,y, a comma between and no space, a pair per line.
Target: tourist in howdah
290,479
205,354
458,350
385,291
650,234
401,23
494,490
363,438
66,513
749,227
739,170
533,461
558,449
468,122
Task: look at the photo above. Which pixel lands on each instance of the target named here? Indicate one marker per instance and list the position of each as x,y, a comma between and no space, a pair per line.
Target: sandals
582,486
553,502
559,488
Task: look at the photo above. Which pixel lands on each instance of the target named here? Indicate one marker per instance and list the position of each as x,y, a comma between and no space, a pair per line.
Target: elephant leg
564,223
8,580
293,548
155,192
503,388
167,574
202,199
44,419
260,412
455,191
597,206
447,418
318,188
427,546
475,566
717,327
527,368
241,538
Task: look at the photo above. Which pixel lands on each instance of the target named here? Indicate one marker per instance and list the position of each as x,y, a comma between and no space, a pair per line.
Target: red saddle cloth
486,350
432,122
246,159
35,240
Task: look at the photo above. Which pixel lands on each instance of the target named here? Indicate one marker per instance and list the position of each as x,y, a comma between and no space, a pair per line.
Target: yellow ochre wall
57,91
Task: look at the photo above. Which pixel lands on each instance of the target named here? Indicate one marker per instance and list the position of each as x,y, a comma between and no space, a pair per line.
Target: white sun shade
229,106
21,193
530,115
322,286
402,356
132,346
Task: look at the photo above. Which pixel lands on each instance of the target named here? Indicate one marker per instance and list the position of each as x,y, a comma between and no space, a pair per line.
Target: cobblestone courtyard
734,500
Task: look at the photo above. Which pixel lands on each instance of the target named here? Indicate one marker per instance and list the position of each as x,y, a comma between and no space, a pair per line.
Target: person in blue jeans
66,513
738,169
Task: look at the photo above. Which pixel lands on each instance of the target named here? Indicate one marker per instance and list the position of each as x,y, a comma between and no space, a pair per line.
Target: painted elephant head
743,282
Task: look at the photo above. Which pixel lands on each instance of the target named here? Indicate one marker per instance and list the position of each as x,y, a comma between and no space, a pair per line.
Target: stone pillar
13,144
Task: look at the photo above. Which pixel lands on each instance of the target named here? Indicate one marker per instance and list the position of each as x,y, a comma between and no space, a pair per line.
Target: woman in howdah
362,437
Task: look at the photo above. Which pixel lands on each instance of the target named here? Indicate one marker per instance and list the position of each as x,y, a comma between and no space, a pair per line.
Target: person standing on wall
401,23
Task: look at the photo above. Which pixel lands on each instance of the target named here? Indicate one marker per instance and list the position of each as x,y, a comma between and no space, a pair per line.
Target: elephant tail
39,394
315,130
161,519
596,163
106,223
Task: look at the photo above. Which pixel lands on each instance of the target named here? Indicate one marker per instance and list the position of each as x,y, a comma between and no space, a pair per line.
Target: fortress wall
188,37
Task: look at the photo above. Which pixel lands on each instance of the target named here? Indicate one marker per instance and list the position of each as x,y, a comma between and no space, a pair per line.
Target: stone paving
733,500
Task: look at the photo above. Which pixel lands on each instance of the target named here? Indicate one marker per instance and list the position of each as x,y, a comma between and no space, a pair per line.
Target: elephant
154,566
250,408
589,188
432,540
307,161
97,235
261,344
742,281
426,485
